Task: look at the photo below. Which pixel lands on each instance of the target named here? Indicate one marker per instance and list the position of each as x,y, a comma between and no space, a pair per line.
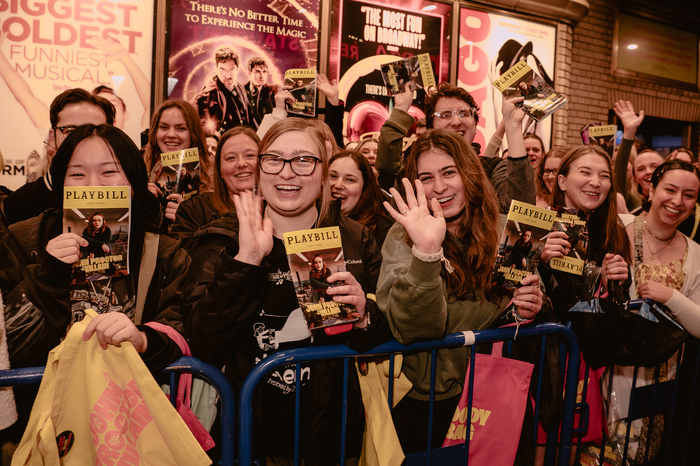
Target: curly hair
447,90
473,252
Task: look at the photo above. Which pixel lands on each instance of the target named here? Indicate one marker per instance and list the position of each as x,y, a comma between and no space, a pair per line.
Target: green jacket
412,296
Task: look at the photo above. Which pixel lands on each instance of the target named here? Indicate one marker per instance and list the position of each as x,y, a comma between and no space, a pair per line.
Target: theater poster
368,34
47,47
490,44
281,32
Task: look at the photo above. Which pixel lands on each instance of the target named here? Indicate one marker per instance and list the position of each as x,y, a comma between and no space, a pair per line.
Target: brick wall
585,73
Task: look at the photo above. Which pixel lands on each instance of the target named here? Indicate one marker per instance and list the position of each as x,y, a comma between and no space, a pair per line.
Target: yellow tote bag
103,407
380,446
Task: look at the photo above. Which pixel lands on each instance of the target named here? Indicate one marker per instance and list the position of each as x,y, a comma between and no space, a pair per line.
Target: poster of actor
229,60
489,45
45,50
370,34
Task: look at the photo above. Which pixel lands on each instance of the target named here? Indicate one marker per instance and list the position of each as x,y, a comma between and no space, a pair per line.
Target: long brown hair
319,141
478,225
221,199
605,230
369,208
197,139
91,227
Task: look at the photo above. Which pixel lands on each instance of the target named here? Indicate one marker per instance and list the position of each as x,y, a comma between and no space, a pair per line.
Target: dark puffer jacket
227,322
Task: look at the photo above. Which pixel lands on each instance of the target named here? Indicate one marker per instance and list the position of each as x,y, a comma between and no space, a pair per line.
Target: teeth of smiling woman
588,193
243,175
284,187
445,199
338,196
672,210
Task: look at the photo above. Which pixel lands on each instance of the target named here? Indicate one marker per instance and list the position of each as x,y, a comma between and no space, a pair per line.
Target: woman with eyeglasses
546,175
241,305
234,172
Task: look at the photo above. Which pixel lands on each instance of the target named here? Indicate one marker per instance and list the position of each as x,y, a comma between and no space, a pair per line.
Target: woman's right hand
283,96
254,233
174,201
614,268
556,246
426,229
66,247
152,187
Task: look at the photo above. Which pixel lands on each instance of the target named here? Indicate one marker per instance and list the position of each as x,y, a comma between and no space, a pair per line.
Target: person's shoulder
626,219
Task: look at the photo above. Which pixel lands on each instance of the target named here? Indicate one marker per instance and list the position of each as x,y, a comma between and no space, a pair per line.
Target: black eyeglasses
463,114
65,130
304,165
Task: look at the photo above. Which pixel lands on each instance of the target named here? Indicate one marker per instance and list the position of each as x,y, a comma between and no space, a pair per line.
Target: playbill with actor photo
540,99
573,223
303,89
598,134
314,255
417,70
177,173
101,216
521,243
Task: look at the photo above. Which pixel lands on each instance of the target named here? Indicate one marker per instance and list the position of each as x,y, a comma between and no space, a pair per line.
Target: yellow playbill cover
302,82
314,255
540,98
177,172
522,242
101,216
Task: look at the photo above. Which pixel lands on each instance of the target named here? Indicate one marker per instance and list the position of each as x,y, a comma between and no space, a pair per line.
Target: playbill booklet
416,69
541,100
177,173
597,134
101,215
573,223
313,256
521,243
303,89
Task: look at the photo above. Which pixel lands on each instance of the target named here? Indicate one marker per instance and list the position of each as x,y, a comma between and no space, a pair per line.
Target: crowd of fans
420,228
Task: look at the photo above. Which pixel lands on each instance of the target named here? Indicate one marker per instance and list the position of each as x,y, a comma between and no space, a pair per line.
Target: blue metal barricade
302,355
33,375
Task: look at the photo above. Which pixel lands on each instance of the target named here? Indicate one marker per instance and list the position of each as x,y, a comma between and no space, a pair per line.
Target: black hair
80,96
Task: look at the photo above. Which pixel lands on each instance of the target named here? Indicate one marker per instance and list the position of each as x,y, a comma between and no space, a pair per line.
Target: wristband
438,256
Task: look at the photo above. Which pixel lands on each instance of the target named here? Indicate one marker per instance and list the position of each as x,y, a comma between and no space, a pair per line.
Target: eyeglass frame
471,110
63,128
289,161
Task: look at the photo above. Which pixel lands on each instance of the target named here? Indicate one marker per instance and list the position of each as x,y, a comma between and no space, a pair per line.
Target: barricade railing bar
33,375
304,355
658,398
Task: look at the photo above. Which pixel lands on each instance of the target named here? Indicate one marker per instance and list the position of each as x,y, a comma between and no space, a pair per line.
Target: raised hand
427,230
171,209
528,298
630,120
557,245
614,268
349,293
283,96
404,100
329,88
254,233
66,247
113,328
511,113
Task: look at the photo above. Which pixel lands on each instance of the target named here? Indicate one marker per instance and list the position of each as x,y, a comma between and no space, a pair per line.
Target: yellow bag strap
148,266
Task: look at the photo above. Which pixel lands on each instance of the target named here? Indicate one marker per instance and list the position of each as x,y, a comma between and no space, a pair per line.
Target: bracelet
438,256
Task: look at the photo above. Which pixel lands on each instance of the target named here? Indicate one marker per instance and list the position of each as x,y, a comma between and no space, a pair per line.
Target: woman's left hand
614,268
113,328
649,289
174,201
528,298
349,293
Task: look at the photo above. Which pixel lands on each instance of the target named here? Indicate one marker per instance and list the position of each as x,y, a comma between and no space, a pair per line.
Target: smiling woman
242,304
235,163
